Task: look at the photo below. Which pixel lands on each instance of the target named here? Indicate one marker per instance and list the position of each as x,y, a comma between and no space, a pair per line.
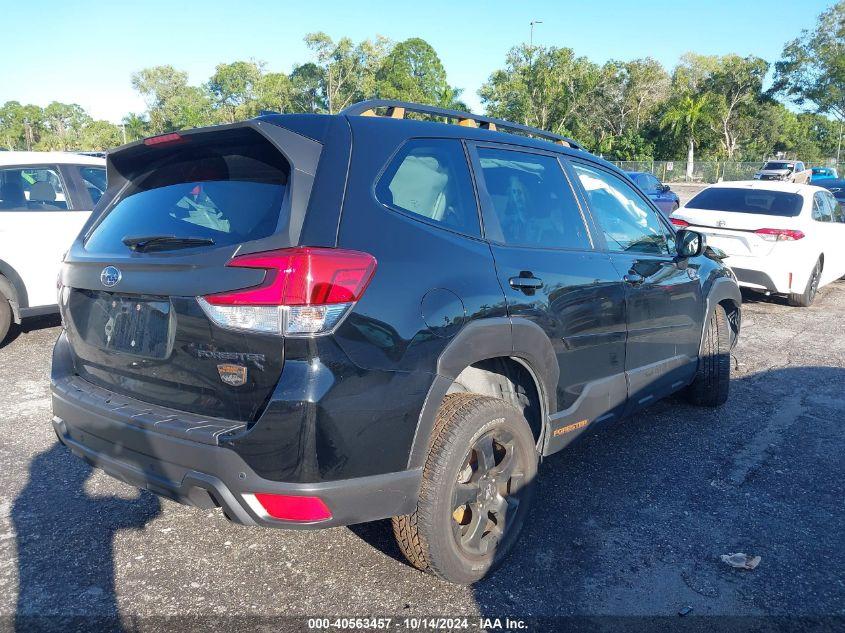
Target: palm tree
135,126
683,118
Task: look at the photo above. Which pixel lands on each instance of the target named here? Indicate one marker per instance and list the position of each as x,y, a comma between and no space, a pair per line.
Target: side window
821,211
838,212
94,179
430,178
653,184
532,201
31,189
628,223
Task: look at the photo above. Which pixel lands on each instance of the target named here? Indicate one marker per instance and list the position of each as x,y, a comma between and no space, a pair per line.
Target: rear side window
739,200
95,181
32,189
228,188
532,202
429,178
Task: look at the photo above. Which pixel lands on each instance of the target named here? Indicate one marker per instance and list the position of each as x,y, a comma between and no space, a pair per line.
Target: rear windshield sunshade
228,186
781,203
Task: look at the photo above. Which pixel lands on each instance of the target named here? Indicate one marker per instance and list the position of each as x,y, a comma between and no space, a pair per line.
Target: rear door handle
526,283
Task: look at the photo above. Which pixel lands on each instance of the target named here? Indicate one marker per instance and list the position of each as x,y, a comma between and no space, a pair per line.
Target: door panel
663,298
552,275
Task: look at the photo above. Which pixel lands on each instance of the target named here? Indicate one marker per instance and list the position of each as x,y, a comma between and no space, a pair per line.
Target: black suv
313,320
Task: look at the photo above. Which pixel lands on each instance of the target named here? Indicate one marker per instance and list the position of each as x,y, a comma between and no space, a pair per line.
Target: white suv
45,198
779,237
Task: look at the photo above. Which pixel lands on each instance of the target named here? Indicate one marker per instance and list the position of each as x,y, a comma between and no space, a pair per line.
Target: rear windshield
230,190
748,201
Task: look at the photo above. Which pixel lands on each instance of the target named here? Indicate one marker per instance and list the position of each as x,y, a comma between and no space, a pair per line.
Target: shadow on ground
30,325
64,541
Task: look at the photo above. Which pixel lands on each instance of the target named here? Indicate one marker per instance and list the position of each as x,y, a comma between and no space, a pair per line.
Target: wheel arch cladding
726,293
511,340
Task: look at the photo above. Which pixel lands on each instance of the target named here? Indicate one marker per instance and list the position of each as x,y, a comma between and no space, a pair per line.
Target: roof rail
398,109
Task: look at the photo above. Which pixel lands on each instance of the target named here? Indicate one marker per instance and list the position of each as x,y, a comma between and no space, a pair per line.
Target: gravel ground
631,519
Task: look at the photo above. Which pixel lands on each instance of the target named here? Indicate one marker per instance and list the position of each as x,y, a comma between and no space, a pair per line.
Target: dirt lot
631,520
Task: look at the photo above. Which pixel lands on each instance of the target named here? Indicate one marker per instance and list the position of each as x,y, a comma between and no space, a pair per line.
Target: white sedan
45,198
779,237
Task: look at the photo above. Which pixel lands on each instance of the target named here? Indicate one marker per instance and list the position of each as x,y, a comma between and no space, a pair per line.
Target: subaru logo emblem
719,223
110,276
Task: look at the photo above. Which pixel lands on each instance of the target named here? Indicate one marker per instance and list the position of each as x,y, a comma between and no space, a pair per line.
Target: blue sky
84,51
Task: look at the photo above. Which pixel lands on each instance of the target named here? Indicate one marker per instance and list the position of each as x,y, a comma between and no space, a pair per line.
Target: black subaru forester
313,320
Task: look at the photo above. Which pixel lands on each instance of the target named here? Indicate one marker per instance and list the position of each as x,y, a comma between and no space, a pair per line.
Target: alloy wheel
486,495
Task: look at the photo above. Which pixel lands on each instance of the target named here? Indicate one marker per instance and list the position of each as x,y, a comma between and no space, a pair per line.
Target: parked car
662,195
823,173
786,170
45,198
779,237
318,320
836,187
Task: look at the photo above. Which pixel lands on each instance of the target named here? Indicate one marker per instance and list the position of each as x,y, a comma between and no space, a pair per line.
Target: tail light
779,235
305,291
292,507
681,224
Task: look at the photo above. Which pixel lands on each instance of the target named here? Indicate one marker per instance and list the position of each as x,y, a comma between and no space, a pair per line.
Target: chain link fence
703,171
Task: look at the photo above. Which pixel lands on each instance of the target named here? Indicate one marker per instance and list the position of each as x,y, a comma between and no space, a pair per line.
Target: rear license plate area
140,326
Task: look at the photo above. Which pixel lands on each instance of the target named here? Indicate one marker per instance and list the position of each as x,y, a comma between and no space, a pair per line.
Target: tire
805,299
447,538
712,381
675,207
5,317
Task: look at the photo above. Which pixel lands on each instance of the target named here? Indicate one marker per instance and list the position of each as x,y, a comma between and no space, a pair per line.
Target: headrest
42,191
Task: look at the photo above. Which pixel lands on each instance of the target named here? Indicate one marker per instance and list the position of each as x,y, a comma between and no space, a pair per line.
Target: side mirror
689,243
665,189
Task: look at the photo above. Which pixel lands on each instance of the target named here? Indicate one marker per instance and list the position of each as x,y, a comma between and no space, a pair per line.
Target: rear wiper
164,242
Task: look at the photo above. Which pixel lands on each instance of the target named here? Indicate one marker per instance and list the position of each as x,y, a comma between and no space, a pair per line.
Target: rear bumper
121,441
773,273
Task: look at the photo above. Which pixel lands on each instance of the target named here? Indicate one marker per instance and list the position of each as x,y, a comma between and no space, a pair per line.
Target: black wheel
5,317
675,207
712,380
805,299
476,490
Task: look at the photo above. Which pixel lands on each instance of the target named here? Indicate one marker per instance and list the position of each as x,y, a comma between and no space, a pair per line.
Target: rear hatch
741,221
179,208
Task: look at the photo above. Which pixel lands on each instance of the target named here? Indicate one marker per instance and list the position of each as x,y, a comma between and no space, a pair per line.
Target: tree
684,117
812,69
733,84
100,135
274,91
307,85
171,103
135,126
63,123
20,125
233,88
543,87
412,71
347,70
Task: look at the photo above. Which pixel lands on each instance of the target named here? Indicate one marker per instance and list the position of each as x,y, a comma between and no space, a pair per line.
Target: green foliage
412,71
711,107
812,71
